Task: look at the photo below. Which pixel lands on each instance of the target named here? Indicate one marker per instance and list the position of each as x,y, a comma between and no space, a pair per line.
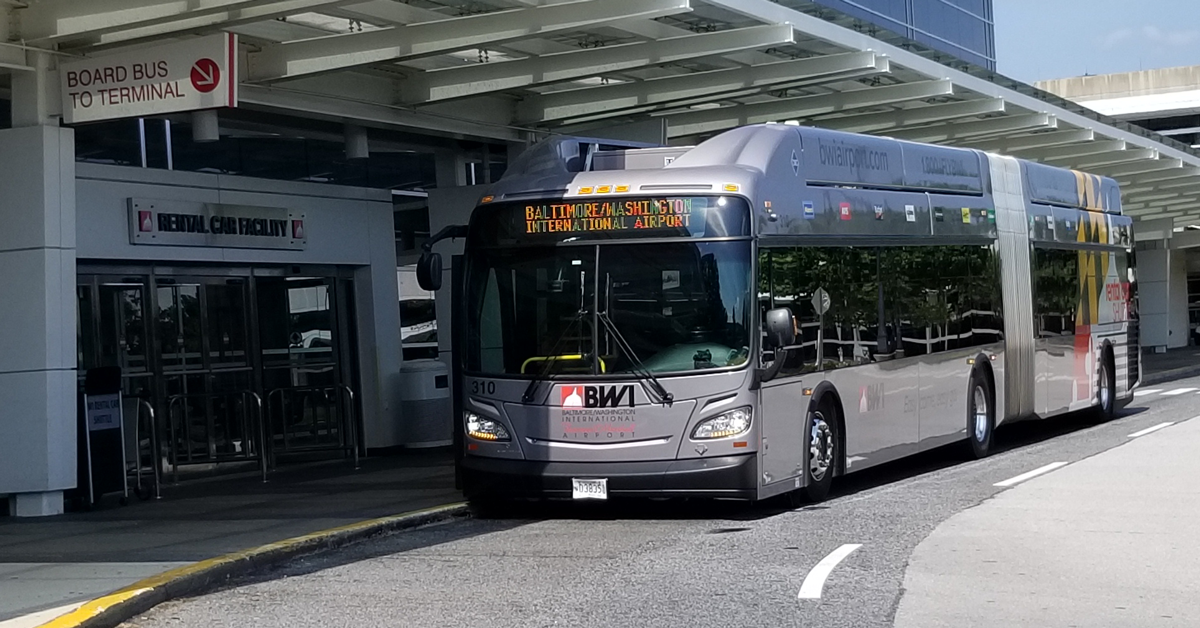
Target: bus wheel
981,416
1107,390
821,432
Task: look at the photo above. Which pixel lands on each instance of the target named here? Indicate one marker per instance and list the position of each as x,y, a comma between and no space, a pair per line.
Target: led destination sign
571,220
614,215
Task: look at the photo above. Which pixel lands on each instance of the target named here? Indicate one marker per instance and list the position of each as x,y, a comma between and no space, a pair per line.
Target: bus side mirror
781,328
429,271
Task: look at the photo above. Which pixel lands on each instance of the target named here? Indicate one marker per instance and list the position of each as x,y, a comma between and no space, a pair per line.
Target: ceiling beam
560,67
104,23
1038,140
1151,197
1140,208
963,132
886,121
1046,154
1105,159
1141,197
1180,184
1149,165
693,122
330,103
711,99
1158,177
620,97
338,52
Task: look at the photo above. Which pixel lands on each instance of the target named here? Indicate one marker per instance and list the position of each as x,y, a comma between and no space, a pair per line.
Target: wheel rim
820,447
979,410
1105,394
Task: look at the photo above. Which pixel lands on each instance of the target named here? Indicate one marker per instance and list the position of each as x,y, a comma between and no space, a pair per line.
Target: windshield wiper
654,388
527,397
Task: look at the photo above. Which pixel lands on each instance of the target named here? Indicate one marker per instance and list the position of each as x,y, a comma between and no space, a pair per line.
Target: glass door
207,371
298,320
112,329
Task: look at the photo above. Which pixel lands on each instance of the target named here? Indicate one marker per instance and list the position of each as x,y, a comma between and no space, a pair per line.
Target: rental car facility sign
193,74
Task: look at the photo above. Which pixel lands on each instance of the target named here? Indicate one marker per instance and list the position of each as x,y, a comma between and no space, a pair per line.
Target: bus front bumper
726,477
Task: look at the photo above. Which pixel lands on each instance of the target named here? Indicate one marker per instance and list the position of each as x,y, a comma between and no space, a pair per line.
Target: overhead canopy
499,69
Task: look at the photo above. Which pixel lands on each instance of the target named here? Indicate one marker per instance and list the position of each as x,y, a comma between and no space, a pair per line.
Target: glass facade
963,28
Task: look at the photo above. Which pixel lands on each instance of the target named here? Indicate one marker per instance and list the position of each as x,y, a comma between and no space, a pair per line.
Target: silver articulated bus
775,307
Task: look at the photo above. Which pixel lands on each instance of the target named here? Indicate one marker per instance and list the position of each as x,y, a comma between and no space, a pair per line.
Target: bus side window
784,274
1056,291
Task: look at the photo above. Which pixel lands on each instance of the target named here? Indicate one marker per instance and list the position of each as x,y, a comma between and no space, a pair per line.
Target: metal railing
155,449
313,418
243,440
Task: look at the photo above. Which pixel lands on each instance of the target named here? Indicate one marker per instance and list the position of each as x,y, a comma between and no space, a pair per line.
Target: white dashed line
1036,472
1151,429
1179,391
815,580
1148,391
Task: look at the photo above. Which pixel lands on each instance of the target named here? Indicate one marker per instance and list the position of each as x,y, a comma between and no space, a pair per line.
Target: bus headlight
484,429
732,423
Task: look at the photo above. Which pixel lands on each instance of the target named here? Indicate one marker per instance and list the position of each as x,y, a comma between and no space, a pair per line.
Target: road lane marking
815,580
1151,429
37,619
1031,474
1149,391
1179,391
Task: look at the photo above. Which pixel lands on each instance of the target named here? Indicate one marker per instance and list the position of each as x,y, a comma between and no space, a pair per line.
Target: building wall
345,226
962,28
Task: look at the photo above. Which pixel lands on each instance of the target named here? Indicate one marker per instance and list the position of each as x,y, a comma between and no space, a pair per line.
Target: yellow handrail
555,358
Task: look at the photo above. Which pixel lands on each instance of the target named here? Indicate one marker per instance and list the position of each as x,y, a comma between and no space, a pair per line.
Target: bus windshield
681,306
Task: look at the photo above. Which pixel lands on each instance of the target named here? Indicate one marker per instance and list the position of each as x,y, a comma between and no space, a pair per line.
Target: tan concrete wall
1144,83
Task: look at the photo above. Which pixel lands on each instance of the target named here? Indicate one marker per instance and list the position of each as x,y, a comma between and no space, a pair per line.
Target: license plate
589,489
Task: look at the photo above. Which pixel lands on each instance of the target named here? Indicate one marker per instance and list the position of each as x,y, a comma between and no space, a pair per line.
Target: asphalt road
666,563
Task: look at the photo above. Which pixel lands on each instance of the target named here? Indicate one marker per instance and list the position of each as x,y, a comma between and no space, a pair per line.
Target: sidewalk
1174,364
65,560
1105,541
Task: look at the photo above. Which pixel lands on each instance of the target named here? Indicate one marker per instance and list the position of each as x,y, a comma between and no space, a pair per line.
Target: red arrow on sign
206,75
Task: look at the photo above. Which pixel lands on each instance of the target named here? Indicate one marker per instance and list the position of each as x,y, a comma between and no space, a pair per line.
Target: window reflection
884,303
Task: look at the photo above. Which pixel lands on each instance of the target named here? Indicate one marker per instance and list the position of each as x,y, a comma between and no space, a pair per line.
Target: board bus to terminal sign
185,76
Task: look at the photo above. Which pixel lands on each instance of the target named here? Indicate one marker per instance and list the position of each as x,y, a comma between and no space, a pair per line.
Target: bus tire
1106,389
822,453
981,415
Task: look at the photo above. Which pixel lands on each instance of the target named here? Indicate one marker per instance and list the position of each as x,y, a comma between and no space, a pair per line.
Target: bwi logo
571,397
870,398
145,222
596,396
297,229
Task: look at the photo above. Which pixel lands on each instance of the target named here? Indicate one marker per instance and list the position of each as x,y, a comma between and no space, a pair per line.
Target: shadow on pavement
1007,438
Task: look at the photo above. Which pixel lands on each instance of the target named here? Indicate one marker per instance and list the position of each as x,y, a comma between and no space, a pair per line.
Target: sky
1045,39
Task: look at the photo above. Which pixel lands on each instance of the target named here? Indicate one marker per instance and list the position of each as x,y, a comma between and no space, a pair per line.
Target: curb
139,597
1161,377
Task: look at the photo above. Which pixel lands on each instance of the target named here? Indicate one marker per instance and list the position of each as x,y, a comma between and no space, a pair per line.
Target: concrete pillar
1154,284
37,307
377,302
1177,299
450,170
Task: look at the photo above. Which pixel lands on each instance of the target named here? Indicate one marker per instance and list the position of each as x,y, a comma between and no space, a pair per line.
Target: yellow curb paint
94,607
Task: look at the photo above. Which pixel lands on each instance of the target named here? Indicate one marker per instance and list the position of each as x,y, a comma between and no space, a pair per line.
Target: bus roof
567,167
